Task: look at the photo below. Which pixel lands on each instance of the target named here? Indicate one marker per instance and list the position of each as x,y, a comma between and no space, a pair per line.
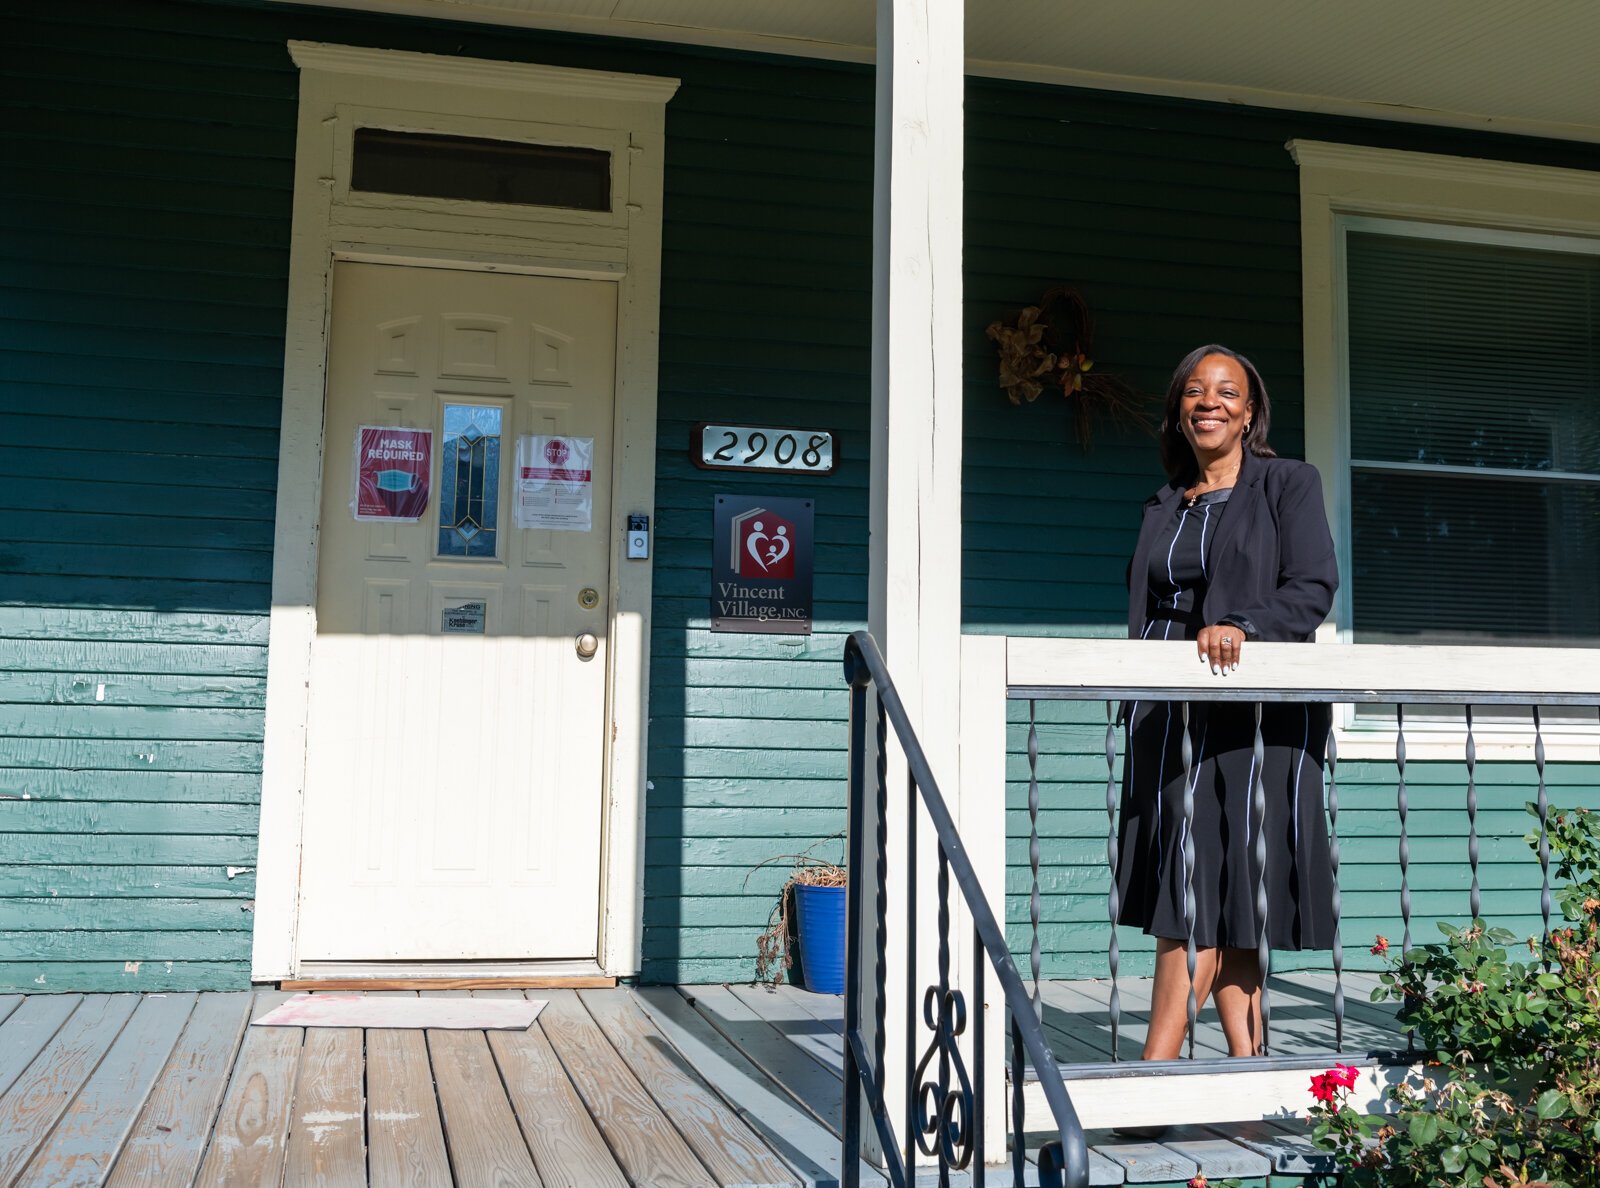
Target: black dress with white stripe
1150,875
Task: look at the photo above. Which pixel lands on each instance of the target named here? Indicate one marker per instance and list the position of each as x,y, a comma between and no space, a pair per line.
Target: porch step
1268,1153
1209,1092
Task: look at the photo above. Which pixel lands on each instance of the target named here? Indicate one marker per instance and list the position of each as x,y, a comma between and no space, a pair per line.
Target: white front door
454,755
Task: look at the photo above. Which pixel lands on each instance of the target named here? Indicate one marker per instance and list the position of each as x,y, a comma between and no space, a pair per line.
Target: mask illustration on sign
763,545
396,480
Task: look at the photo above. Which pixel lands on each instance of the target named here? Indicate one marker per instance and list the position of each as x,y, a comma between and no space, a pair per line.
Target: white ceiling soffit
1524,66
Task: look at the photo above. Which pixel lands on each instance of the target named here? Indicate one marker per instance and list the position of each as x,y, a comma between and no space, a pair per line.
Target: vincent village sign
761,565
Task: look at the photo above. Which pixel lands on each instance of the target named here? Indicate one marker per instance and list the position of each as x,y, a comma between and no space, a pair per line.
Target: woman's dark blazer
1272,566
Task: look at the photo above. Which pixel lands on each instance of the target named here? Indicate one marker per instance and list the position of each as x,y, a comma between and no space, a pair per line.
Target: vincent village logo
761,572
763,545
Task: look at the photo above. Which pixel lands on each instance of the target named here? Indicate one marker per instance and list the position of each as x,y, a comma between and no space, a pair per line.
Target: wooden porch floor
1077,1018
702,1085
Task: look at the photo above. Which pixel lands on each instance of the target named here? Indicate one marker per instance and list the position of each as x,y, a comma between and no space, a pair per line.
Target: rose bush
1509,1091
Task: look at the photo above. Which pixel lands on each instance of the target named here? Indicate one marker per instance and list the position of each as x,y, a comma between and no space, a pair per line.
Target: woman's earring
1247,425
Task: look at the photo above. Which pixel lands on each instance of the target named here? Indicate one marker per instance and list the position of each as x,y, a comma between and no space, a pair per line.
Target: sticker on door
463,618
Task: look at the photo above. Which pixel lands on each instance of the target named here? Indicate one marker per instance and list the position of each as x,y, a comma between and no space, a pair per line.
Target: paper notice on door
393,466
555,483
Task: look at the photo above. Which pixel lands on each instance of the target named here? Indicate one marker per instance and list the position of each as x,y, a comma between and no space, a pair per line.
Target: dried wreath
1052,344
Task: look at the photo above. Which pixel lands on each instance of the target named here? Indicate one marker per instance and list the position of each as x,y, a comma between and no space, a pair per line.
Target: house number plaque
761,447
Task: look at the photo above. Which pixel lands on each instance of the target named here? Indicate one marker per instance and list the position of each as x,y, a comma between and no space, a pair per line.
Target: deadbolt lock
588,598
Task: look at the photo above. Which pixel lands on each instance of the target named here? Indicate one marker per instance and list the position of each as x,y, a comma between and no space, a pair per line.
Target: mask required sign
761,565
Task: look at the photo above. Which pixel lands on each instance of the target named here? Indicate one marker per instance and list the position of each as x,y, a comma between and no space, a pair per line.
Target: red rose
1323,1087
1343,1075
1380,946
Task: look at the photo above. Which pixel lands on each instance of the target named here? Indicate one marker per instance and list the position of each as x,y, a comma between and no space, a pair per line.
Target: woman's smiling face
1215,408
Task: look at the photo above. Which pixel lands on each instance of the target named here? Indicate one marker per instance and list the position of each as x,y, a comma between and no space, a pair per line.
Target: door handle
587,645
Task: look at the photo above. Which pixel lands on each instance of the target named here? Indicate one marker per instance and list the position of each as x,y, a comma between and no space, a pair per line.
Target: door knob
587,645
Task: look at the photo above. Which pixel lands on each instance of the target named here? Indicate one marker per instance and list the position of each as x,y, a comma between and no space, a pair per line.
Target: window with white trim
1452,347
1473,363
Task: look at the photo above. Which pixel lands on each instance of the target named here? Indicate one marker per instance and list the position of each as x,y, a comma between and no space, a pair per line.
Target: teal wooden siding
130,760
143,236
766,305
143,255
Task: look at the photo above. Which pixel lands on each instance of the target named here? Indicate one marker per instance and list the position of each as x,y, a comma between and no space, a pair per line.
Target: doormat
358,1010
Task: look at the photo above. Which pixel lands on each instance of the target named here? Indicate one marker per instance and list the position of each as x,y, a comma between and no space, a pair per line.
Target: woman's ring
1228,639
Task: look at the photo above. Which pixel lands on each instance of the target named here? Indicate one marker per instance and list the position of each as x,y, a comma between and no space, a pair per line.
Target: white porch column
914,607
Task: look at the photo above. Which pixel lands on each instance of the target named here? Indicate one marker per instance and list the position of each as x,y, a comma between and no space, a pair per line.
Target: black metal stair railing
941,1116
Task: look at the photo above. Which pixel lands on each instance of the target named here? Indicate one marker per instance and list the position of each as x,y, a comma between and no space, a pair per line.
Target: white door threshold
447,975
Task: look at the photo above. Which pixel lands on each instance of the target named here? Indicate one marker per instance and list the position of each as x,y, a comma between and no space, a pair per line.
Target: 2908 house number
761,447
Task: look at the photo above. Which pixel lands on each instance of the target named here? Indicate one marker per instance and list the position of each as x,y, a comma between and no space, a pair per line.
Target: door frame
342,87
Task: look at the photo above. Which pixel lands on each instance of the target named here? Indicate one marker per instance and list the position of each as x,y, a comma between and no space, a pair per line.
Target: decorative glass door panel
469,481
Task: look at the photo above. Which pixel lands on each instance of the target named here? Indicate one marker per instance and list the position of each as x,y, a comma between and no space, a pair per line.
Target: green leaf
1424,1129
1454,1158
1552,1103
1548,981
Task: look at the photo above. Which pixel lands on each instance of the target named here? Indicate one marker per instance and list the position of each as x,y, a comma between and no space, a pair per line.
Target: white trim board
1344,185
1144,667
1135,667
338,85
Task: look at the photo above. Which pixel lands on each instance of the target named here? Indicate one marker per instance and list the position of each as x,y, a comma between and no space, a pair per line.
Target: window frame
1347,465
1344,187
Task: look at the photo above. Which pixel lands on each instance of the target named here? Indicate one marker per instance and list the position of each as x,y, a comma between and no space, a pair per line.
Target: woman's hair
1177,456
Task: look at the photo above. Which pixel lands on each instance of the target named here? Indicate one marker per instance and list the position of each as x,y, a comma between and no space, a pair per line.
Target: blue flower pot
819,913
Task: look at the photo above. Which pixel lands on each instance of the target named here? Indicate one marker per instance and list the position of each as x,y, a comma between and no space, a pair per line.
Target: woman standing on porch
1234,548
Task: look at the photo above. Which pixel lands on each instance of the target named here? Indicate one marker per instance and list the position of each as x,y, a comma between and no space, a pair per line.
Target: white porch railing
1215,1090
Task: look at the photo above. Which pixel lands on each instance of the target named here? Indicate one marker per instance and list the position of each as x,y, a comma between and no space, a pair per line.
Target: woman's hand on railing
1220,646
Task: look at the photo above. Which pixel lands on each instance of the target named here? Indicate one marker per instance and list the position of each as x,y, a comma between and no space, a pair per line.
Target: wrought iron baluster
1114,896
1403,807
979,1048
1544,830
1186,753
1258,809
1034,961
943,1123
1019,1106
1476,897
850,1171
908,1137
880,1002
939,1022
1338,905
